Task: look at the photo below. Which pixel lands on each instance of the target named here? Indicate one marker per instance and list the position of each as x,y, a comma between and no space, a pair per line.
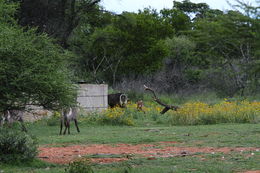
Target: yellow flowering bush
129,115
224,112
116,116
190,113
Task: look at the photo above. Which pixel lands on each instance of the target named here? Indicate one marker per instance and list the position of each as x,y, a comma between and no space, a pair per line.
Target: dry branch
157,100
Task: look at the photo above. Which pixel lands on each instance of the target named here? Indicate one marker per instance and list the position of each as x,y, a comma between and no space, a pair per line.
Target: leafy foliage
32,70
224,112
229,42
16,146
185,47
80,166
7,11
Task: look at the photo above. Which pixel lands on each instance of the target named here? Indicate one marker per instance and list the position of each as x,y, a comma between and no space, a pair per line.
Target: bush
116,116
80,166
16,146
54,120
193,113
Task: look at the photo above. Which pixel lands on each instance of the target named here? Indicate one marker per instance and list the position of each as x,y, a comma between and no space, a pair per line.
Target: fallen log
157,100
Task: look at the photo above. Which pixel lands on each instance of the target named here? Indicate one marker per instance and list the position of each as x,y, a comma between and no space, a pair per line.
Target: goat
10,116
118,99
67,115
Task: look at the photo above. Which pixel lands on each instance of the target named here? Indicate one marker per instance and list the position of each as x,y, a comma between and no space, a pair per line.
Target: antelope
118,99
67,115
140,105
10,116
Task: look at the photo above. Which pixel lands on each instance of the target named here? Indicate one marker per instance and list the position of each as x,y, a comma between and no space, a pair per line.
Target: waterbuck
67,115
118,99
10,116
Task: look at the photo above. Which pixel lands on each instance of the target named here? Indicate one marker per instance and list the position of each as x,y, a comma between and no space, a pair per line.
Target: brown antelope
67,115
140,105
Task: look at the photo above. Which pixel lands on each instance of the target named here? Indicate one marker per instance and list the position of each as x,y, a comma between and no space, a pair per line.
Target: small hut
93,97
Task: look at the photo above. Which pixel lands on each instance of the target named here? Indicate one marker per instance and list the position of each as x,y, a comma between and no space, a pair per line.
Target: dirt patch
63,155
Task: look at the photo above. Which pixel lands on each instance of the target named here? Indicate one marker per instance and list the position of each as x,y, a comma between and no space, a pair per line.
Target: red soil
63,155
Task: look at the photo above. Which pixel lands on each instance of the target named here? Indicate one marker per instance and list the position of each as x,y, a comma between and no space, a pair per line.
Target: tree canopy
33,70
45,45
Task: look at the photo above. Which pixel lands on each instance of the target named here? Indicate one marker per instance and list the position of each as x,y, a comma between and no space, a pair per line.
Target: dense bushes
114,116
16,146
32,68
194,113
190,113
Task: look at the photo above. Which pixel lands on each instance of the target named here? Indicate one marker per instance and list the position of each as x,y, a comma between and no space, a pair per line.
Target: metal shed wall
93,97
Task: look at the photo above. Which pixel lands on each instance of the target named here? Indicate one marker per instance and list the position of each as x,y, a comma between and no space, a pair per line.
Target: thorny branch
157,100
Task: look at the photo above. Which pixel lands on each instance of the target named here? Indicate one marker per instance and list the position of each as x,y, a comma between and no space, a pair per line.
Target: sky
118,6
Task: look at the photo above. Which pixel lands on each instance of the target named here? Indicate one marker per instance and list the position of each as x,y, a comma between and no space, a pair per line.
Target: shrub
116,116
80,166
225,112
54,120
16,146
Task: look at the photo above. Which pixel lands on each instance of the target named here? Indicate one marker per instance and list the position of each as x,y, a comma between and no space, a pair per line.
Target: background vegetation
191,54
187,48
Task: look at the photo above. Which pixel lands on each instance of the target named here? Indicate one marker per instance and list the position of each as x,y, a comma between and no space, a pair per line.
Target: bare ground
105,153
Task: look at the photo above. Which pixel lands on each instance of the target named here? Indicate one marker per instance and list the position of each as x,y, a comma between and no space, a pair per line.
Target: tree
33,70
7,11
56,18
197,9
177,19
180,64
131,44
230,43
143,34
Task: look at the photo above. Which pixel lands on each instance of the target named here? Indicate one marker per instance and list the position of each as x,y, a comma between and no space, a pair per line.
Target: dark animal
67,115
10,116
118,99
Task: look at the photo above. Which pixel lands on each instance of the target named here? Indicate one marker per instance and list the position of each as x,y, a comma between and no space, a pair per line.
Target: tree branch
157,100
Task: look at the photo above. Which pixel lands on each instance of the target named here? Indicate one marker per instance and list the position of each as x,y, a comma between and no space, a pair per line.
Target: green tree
128,46
177,19
33,70
143,33
7,11
56,18
180,65
197,9
230,42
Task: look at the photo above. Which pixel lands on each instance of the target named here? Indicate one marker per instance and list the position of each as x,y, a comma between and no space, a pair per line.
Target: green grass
148,130
229,135
209,163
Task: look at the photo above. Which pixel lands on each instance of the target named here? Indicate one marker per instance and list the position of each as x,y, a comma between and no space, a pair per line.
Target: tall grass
189,113
193,113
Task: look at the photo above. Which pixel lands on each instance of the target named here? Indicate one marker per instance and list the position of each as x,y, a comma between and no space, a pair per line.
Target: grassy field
132,127
221,135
